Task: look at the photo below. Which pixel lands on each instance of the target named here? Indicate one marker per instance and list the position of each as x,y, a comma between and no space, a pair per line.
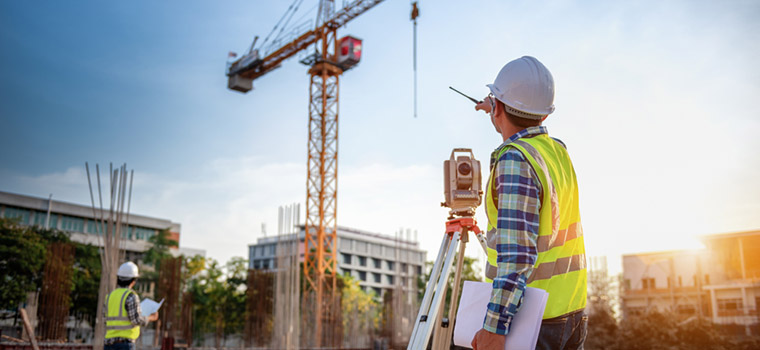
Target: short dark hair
124,281
519,121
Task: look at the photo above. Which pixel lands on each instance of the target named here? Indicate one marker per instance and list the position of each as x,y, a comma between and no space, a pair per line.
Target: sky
654,99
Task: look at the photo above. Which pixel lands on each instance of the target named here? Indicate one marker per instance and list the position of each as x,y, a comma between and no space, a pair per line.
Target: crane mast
321,302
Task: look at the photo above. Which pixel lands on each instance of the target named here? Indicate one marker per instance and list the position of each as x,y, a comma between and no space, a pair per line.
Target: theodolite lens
464,168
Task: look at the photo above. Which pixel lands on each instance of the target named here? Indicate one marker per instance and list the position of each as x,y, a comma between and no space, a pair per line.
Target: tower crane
331,58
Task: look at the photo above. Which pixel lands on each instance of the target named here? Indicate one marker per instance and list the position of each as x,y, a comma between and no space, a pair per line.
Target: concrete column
745,305
713,305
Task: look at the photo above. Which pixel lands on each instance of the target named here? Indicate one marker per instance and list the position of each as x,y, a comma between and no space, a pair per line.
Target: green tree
361,314
84,297
602,326
22,255
218,296
470,272
233,305
158,251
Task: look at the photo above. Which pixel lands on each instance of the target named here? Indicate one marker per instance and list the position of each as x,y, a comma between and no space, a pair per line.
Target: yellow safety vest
561,265
117,320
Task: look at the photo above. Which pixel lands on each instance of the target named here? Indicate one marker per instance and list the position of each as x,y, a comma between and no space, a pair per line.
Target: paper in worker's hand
150,306
471,313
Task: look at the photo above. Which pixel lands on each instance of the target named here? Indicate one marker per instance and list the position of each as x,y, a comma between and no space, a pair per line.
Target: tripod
430,315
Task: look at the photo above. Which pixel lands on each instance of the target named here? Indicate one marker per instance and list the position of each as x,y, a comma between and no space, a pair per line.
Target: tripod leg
444,339
423,336
429,291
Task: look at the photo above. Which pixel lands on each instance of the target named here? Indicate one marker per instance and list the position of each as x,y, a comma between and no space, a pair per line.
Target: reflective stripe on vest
117,320
561,264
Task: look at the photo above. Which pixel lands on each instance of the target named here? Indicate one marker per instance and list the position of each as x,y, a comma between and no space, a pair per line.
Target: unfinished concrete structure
720,282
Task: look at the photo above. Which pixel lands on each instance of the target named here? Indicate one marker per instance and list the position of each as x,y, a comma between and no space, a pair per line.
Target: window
390,265
362,261
271,249
390,252
93,227
627,284
362,275
680,282
404,268
259,250
376,277
389,279
22,214
39,218
361,247
685,309
647,283
347,273
71,223
257,264
345,244
377,263
377,291
730,307
143,233
346,258
377,249
419,270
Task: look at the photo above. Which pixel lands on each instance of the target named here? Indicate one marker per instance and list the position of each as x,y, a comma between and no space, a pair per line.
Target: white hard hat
128,270
526,87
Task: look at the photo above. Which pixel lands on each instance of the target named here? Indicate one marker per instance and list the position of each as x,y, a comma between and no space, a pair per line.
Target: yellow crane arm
263,66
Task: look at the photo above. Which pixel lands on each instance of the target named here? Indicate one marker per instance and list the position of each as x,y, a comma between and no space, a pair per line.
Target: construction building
378,262
80,222
720,282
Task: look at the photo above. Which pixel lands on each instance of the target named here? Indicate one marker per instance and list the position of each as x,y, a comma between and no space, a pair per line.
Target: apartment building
379,262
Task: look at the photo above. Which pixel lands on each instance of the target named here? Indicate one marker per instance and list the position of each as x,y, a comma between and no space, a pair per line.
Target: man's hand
153,317
485,340
484,105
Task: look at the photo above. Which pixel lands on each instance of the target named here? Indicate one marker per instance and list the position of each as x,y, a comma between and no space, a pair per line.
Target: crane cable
291,11
414,15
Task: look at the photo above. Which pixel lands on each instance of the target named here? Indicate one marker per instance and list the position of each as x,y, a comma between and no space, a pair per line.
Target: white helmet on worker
526,87
128,270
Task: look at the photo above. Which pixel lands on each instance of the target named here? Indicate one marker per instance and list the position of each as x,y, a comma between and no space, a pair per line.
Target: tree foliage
218,296
470,272
22,256
87,268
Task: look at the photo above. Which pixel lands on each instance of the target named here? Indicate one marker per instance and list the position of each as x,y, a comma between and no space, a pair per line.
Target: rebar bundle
287,277
54,296
108,226
169,284
258,320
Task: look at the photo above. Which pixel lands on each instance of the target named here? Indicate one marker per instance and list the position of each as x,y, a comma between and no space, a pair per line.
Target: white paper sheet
150,306
473,304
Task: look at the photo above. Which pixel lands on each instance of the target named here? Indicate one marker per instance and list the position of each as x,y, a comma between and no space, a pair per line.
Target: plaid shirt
518,205
134,312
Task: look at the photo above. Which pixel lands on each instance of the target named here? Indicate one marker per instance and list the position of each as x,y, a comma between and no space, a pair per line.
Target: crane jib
273,60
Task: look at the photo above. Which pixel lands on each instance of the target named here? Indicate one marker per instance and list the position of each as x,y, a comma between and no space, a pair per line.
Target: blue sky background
656,101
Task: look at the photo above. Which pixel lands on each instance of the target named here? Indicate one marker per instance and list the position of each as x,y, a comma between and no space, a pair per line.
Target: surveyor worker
123,314
534,233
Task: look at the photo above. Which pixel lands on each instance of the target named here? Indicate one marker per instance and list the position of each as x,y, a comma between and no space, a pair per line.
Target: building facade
720,282
81,223
378,262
